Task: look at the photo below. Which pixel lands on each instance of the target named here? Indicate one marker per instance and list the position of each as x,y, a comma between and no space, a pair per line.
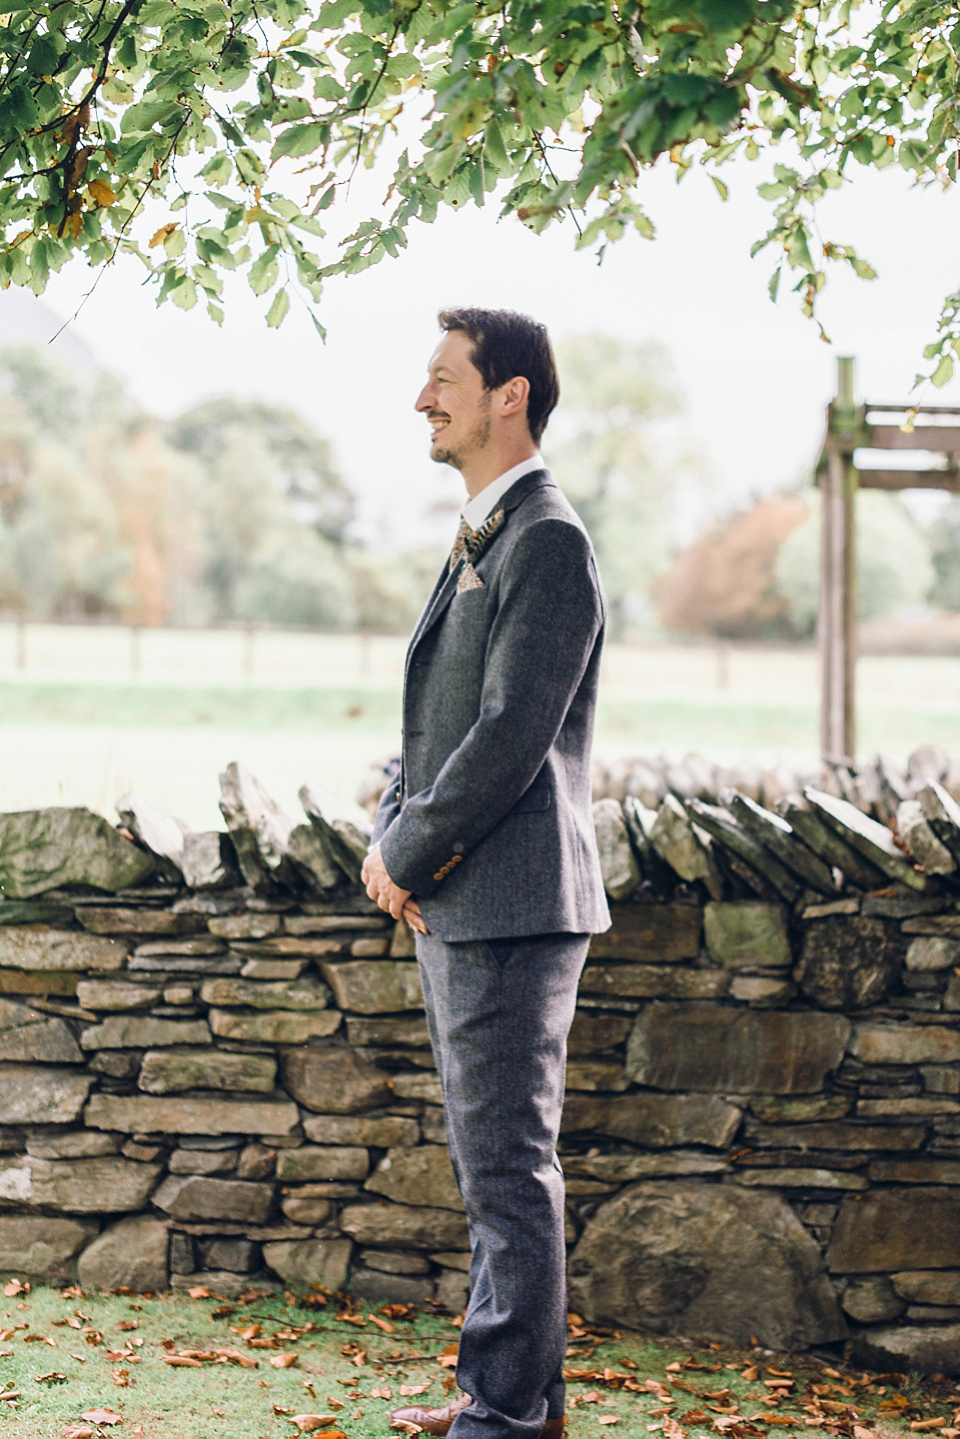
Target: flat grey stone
848,963
195,947
425,1087
158,832
81,1186
761,990
920,842
204,1161
75,1144
300,1209
310,854
685,847
374,986
798,1177
622,1168
376,1287
826,843
417,1176
916,1169
618,864
594,1033
343,827
43,1246
897,1229
42,1095
942,814
144,919
35,948
387,1131
747,935
774,1108
873,840
877,1043
260,832
209,861
192,965
930,953
656,1121
45,849
332,1079
31,1036
654,981
926,1349
295,994
928,1286
181,1114
331,1161
395,1261
116,995
167,1071
301,924
285,969
650,933
196,1196
720,824
392,1029
405,1226
274,1026
134,1031
772,832
303,1263
710,1048
244,926
870,1299
596,1075
131,1254
669,1258
238,1256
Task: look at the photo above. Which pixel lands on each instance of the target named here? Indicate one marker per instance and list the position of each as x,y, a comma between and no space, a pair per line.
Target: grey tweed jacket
490,822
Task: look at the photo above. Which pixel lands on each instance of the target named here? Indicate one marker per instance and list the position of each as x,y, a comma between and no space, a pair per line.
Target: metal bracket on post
837,616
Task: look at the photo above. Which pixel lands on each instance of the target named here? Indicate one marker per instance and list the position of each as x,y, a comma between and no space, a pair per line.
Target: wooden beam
837,615
941,438
909,480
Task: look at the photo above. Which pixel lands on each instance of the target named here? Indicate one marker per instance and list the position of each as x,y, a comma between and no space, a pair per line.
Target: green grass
338,1364
347,707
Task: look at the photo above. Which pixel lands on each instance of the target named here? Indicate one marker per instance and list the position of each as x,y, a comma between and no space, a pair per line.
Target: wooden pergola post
931,433
838,583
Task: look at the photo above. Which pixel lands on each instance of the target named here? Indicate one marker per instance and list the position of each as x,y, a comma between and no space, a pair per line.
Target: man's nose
424,399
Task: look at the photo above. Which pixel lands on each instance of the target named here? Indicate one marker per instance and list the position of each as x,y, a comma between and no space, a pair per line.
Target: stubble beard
477,439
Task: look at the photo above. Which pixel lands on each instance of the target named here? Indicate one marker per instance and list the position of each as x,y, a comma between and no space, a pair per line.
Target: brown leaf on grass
222,1311
608,1418
447,1358
102,1416
381,1391
200,1291
269,1341
236,1356
121,1377
314,1424
408,1390
39,1339
181,1361
860,1431
15,1287
593,1397
673,1368
283,1361
72,1291
54,1377
93,1336
356,1319
751,1373
922,1426
774,1418
246,1331
129,1324
626,1363
672,1429
77,1431
398,1311
383,1324
780,1373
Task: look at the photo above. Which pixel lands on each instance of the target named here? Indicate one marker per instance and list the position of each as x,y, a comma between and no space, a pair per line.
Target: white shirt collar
475,511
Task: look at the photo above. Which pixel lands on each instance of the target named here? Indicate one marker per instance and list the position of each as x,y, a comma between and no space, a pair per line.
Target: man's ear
514,396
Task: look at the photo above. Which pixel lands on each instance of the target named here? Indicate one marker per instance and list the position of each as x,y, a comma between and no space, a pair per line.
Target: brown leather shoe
415,1419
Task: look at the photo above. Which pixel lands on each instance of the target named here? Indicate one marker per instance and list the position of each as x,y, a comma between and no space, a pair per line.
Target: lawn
263,1366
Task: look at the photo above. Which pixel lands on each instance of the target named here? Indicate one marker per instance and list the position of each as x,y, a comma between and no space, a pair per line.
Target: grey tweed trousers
499,1012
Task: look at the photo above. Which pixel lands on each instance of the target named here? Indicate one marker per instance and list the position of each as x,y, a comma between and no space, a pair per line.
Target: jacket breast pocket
537,797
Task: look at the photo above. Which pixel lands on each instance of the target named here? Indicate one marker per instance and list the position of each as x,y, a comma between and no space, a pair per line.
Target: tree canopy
247,119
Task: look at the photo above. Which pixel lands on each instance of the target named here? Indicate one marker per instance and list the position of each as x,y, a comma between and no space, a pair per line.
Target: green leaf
722,190
278,310
774,284
943,372
299,140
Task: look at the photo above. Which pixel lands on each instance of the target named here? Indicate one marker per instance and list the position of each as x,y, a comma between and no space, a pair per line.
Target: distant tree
725,583
893,563
618,471
944,538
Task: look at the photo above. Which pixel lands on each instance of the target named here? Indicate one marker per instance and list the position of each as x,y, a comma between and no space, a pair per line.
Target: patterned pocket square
468,579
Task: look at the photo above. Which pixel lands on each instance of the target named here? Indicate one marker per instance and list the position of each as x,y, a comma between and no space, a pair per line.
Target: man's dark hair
506,345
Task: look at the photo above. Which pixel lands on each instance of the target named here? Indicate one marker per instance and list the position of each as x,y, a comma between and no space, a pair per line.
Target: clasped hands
389,896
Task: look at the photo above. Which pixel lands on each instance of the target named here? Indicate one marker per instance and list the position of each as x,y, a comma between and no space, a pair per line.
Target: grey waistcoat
490,824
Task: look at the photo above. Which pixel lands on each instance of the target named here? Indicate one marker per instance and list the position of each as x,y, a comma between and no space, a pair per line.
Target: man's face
455,402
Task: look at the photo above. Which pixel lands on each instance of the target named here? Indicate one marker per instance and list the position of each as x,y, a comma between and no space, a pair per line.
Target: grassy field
264,1367
91,712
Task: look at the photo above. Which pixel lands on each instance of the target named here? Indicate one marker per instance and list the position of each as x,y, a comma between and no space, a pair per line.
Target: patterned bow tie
469,546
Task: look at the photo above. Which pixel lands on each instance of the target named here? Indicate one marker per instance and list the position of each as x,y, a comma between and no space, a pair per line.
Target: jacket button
439,874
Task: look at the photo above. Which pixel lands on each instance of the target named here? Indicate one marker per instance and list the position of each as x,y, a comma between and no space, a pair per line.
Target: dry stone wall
230,1081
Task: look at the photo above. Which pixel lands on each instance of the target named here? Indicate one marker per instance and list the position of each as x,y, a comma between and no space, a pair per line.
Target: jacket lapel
446,586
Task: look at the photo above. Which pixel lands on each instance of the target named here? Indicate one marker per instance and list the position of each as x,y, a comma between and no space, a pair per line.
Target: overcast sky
755,376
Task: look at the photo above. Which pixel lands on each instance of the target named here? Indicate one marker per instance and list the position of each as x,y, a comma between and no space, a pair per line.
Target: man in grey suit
485,843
